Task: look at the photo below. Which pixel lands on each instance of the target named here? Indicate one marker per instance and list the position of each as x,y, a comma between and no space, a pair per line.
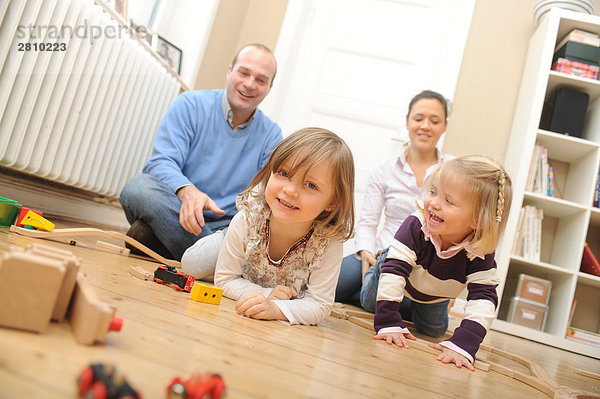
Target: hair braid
500,205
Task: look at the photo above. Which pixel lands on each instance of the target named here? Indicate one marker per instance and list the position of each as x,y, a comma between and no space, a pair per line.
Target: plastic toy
170,275
198,386
39,222
22,214
8,211
99,381
206,294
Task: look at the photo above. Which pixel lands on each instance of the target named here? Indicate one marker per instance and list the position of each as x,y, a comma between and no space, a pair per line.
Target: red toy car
170,275
98,381
198,386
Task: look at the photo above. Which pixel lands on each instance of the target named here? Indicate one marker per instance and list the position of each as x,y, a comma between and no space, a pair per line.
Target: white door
352,66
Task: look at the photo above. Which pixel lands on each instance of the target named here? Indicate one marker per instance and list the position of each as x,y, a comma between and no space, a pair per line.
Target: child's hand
396,338
256,306
450,356
282,292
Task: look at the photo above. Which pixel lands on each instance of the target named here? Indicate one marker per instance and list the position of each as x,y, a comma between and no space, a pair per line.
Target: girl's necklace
279,263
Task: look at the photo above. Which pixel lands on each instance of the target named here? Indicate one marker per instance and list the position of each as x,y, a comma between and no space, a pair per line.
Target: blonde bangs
305,149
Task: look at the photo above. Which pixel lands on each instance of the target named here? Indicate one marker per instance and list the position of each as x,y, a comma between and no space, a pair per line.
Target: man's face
250,79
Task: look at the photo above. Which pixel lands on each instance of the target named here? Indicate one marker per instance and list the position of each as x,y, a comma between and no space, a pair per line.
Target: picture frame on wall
169,52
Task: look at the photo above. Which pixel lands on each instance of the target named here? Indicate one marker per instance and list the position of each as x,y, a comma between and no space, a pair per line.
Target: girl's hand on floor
282,292
450,356
256,306
399,339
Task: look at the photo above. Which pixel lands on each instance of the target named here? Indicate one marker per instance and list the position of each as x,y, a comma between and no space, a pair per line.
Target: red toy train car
198,386
168,274
99,381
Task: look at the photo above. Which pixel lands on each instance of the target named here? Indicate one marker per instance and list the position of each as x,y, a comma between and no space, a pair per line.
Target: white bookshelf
570,220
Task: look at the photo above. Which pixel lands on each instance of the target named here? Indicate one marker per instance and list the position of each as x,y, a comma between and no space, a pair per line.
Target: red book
589,263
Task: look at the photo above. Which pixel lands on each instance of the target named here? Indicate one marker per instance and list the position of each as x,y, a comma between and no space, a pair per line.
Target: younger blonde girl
446,246
282,253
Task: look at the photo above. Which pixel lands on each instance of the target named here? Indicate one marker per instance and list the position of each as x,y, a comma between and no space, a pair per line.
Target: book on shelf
588,337
532,169
551,186
580,36
541,174
528,243
544,172
589,263
518,242
596,200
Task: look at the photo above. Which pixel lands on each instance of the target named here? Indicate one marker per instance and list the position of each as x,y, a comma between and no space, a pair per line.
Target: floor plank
165,333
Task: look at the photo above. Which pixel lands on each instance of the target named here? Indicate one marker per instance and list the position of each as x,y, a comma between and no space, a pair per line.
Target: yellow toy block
207,294
37,221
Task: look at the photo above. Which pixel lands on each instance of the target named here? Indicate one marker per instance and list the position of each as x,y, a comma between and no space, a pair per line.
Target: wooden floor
166,334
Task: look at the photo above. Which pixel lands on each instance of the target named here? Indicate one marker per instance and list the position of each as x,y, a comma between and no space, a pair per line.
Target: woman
393,186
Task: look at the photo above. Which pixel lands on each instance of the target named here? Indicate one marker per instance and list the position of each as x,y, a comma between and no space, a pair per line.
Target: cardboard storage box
533,289
575,68
527,313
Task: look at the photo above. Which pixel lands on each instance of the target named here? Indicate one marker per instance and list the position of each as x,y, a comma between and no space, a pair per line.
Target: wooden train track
538,377
88,231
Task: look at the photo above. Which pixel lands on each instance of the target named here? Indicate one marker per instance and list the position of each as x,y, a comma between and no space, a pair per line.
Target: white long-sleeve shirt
391,189
315,282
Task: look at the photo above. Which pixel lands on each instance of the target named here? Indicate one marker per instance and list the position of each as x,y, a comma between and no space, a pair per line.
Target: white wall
140,10
184,23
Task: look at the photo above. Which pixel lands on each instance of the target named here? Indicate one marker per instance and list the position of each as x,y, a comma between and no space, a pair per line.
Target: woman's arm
370,212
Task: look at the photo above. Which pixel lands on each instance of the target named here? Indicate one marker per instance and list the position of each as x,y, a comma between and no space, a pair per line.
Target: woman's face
426,123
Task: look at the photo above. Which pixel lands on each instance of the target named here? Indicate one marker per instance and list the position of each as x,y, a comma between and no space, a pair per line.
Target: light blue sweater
195,145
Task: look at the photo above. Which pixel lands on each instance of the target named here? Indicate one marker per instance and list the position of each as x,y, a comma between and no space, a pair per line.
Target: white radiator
80,100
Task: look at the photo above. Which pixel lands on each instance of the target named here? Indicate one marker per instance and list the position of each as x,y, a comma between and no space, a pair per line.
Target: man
208,147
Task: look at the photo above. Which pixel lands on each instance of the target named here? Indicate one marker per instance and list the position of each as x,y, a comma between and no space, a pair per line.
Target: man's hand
256,306
282,292
450,356
368,260
193,202
399,339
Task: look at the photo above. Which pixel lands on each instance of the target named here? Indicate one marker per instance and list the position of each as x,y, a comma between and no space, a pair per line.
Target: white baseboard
58,200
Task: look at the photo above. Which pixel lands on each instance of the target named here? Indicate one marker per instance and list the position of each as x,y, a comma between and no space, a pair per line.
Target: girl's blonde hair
490,188
307,148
